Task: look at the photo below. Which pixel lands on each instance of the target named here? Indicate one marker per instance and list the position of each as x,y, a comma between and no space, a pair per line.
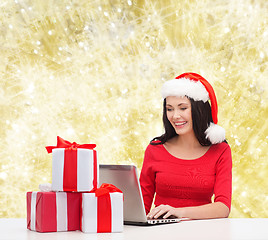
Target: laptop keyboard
171,218
156,221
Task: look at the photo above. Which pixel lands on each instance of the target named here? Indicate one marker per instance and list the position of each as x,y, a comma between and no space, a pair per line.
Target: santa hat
198,88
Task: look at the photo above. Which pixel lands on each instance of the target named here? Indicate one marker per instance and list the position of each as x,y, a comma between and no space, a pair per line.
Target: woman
191,162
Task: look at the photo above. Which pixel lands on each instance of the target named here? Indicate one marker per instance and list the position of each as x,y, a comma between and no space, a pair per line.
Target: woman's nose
176,115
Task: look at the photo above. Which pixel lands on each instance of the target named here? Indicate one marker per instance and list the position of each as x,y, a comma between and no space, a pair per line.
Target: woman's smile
180,124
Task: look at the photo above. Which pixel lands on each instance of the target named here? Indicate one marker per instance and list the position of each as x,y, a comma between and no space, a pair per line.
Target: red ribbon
104,221
105,189
70,170
61,143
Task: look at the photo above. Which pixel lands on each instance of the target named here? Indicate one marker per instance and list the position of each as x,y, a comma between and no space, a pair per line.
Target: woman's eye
183,109
169,109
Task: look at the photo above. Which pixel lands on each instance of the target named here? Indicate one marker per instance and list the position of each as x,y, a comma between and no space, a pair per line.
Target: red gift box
53,211
74,166
102,210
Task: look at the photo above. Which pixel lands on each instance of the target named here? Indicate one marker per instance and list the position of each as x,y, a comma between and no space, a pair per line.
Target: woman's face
179,114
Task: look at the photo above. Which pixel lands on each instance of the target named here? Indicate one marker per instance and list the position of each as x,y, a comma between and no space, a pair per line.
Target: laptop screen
125,177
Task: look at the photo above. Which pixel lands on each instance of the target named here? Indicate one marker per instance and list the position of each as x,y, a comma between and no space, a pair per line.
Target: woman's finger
160,213
168,214
155,211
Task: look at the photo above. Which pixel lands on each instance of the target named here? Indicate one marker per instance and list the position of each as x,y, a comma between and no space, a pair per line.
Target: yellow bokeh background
91,72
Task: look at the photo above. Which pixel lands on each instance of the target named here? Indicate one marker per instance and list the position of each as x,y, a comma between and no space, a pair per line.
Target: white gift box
103,213
74,169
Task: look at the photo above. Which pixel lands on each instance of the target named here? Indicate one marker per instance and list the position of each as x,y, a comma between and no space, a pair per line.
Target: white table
215,229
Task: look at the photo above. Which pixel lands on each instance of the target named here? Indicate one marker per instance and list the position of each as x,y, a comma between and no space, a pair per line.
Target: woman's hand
207,211
165,211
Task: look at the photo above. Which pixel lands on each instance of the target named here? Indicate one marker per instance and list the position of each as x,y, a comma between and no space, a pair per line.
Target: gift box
102,210
53,211
74,166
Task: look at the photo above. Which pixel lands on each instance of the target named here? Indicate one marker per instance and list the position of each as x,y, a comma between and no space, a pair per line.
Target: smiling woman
191,161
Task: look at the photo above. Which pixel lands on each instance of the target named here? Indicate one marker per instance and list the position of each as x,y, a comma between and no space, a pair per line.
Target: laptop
125,177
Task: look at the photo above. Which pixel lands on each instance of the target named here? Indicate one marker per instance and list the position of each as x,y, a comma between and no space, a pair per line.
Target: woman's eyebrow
183,104
169,105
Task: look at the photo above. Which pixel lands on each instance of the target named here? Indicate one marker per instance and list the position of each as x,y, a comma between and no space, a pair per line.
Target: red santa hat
198,88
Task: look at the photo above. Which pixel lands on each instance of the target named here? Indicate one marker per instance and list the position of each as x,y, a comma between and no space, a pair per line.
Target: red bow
61,143
105,189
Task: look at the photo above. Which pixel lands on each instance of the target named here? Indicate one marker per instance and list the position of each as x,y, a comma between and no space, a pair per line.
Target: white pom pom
45,187
215,134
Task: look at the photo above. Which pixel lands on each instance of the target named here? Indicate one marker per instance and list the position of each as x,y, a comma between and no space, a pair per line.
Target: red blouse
184,183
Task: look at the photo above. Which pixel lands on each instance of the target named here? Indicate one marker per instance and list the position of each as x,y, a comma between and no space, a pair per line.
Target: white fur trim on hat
185,87
215,133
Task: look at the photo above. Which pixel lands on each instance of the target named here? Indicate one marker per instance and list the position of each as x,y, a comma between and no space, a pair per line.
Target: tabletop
216,229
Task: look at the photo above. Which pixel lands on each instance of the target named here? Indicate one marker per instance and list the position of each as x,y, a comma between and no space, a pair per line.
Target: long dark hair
201,118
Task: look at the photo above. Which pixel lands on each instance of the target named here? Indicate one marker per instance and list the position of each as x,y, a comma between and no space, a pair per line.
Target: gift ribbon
105,189
45,187
70,170
104,219
61,143
33,211
70,162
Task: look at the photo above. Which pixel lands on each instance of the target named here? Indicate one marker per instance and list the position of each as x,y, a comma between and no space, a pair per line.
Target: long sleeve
223,181
147,181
